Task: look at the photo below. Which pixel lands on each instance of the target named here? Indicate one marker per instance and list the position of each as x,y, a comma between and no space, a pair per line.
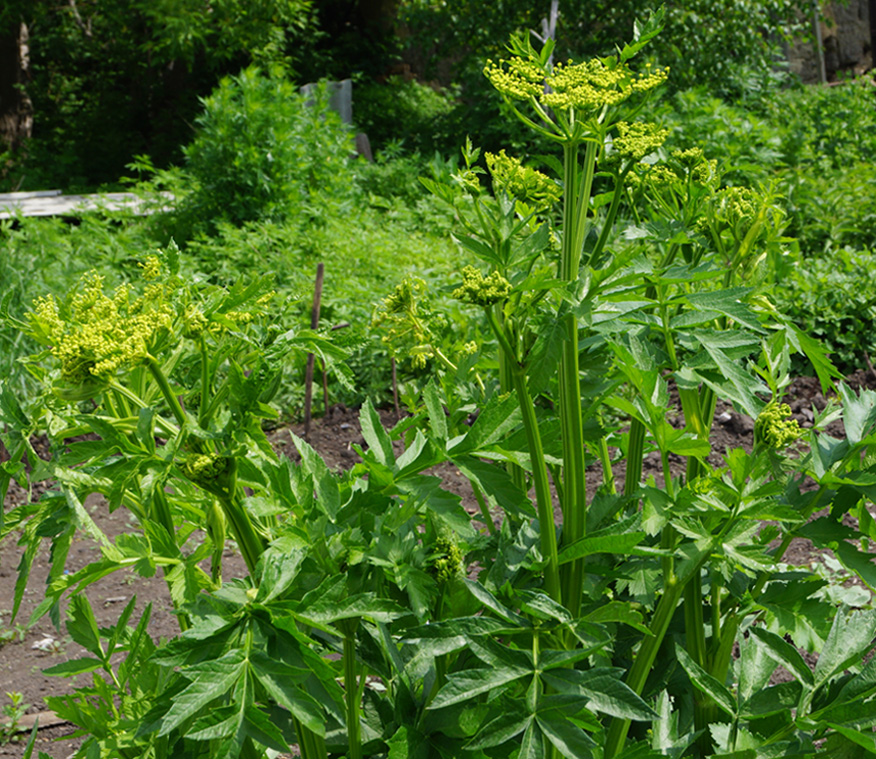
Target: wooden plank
7,196
25,723
75,205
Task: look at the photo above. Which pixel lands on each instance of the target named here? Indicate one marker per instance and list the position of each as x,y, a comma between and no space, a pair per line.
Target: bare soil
33,649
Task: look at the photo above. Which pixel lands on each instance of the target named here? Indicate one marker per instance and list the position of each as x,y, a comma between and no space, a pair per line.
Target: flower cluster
592,85
447,561
516,78
408,321
97,335
587,86
521,181
480,290
636,140
738,207
774,429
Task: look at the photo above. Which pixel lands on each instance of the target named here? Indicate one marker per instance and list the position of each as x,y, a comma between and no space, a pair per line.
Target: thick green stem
544,504
161,514
204,404
695,637
618,728
485,511
507,363
635,457
542,488
575,211
311,745
252,544
605,460
351,688
169,396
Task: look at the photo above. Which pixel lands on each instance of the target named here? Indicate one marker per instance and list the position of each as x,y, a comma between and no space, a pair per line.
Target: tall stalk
540,482
576,203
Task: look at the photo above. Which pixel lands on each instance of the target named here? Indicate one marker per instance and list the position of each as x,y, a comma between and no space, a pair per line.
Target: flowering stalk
540,482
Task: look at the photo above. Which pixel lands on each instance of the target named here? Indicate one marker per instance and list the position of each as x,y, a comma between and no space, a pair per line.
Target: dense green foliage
260,152
591,608
110,80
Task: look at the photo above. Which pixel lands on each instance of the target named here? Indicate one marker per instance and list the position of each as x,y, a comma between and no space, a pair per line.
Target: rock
741,424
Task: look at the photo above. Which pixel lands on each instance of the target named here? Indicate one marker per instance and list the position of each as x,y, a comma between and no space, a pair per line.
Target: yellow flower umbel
567,95
636,140
94,335
596,84
520,181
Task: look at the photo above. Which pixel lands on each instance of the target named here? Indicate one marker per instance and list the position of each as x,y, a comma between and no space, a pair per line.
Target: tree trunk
16,110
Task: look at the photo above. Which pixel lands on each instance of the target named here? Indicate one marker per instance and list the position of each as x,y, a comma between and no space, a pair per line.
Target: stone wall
847,44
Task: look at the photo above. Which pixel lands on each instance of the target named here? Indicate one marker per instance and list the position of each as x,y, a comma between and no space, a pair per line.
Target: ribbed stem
576,204
544,504
618,728
163,385
351,688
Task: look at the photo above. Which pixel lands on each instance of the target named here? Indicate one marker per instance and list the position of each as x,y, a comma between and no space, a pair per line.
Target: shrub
833,299
406,111
264,151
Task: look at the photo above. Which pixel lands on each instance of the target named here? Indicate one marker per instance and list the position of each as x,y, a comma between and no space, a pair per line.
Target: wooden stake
308,375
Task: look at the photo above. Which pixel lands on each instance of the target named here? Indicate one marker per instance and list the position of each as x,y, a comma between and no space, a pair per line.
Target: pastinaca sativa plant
376,617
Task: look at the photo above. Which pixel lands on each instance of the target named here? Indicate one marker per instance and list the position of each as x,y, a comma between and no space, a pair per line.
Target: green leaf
859,412
499,730
260,728
82,626
603,690
851,637
704,682
496,484
570,740
617,611
777,699
643,34
727,302
496,420
74,667
498,656
867,740
541,605
211,680
360,606
437,417
742,388
755,667
465,685
623,544
545,355
375,435
325,482
277,571
532,745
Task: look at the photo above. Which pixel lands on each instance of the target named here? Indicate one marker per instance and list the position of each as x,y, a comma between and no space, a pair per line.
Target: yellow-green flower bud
214,472
480,290
447,561
520,181
151,268
774,428
636,140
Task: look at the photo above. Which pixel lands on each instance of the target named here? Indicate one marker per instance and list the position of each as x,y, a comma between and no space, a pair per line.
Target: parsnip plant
643,617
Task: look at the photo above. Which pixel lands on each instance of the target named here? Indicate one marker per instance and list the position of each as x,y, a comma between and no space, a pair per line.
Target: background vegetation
167,97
